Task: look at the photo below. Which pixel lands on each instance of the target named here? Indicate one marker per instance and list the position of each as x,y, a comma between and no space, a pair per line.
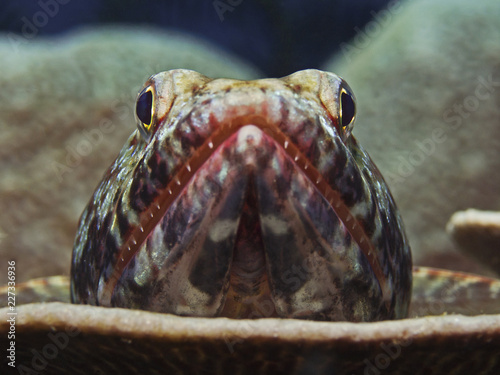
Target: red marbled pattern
165,226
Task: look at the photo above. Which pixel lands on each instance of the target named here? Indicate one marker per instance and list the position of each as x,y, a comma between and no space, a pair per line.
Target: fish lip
254,126
211,122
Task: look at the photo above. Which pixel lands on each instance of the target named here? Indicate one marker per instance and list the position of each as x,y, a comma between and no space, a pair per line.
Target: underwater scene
250,186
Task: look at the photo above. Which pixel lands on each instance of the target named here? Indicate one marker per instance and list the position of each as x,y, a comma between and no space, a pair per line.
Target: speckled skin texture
326,241
404,77
428,86
67,107
110,340
96,340
425,78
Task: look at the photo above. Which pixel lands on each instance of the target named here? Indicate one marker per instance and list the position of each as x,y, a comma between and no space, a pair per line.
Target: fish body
244,199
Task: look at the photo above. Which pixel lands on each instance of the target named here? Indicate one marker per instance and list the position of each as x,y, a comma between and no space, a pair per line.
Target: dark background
279,37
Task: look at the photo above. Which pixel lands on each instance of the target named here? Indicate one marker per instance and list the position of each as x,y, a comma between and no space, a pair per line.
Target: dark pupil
348,108
143,107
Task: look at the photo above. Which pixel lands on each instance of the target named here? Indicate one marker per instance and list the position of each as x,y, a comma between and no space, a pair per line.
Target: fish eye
347,108
144,111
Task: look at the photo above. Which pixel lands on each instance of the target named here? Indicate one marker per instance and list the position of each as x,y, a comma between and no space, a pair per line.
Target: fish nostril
249,134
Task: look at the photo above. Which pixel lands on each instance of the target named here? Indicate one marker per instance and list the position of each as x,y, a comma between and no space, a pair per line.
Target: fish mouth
261,233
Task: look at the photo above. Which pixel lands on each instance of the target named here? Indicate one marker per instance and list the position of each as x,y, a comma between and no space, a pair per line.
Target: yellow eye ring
145,111
347,108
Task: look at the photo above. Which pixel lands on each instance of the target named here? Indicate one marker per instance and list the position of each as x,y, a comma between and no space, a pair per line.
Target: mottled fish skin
244,199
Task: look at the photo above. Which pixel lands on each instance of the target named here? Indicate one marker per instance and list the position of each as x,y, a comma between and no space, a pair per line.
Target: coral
66,109
427,78
477,234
